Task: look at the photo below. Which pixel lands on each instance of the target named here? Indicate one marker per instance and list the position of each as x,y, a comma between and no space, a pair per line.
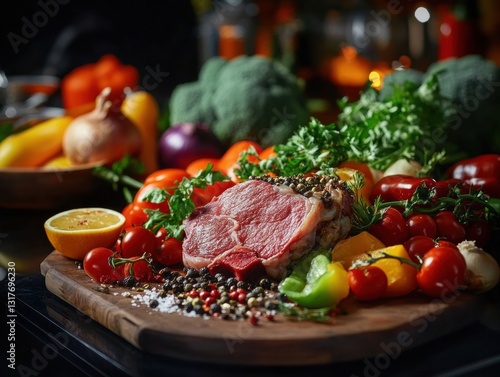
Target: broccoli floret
400,78
473,85
249,97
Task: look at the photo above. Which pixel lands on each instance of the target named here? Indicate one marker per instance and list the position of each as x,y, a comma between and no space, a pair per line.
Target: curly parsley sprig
179,200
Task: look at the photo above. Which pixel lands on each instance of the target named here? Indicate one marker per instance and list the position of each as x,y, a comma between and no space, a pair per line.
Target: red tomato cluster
138,249
137,252
394,228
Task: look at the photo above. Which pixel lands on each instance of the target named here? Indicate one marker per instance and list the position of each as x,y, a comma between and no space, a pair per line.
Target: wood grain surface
386,327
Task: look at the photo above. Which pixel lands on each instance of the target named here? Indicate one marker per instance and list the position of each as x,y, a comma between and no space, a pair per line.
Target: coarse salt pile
159,302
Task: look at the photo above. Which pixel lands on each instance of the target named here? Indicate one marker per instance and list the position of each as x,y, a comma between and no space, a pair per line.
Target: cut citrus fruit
75,232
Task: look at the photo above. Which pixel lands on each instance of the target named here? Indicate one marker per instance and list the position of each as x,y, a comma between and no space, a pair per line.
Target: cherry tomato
168,177
134,214
392,229
442,271
169,253
202,196
141,270
135,241
421,225
367,283
478,231
448,227
96,265
418,246
145,190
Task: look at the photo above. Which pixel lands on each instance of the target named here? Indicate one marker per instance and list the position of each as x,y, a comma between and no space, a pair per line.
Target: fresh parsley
179,202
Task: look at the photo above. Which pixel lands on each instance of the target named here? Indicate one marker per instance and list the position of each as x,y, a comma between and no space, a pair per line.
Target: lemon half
77,231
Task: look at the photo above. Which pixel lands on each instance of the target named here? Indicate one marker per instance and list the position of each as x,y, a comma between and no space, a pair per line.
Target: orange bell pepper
82,85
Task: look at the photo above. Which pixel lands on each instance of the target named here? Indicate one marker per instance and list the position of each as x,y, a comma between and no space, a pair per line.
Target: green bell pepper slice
316,282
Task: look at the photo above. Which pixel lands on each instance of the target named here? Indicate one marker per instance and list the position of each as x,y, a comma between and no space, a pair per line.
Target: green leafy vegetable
407,124
179,202
310,147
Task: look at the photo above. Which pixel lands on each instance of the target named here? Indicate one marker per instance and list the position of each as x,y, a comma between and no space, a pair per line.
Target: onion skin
184,143
103,135
483,271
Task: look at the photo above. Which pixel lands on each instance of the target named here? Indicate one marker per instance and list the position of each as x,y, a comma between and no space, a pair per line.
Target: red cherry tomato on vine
417,246
392,229
421,225
169,253
96,265
442,272
478,231
448,227
135,241
367,283
141,270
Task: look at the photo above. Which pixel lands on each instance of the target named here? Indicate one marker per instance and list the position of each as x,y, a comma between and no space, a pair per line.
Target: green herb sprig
179,200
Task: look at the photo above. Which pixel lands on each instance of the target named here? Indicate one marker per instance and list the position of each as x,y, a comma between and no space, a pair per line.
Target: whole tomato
169,253
392,229
448,227
202,196
418,246
478,231
442,271
140,269
367,283
135,241
96,265
421,225
134,214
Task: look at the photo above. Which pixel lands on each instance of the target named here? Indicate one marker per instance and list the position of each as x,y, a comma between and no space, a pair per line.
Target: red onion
184,143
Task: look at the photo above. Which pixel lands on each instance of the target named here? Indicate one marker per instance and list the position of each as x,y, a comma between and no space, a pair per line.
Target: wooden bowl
40,188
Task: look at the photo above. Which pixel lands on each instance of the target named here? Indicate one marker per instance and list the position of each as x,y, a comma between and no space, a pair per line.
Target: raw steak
262,226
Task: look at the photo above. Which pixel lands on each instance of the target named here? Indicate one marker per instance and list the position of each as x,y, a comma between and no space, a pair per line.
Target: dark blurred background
312,37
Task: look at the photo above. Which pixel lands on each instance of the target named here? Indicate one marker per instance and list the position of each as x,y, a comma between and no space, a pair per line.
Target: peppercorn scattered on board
357,332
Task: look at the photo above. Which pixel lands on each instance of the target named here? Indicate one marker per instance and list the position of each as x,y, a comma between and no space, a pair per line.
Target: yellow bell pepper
401,277
34,146
349,249
143,110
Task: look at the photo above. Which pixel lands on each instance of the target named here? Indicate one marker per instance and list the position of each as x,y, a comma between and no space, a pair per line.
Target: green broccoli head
472,83
249,97
400,78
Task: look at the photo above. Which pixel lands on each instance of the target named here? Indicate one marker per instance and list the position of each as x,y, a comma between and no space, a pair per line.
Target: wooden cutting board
365,330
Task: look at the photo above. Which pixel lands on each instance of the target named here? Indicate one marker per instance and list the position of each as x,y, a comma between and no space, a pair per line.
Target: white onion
405,167
102,135
483,271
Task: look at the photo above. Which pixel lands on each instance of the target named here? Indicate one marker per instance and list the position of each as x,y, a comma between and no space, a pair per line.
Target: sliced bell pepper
316,282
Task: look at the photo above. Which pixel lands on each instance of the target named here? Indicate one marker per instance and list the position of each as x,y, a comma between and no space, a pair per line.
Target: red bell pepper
481,172
399,187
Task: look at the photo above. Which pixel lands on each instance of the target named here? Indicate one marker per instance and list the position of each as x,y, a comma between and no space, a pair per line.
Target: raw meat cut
262,226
